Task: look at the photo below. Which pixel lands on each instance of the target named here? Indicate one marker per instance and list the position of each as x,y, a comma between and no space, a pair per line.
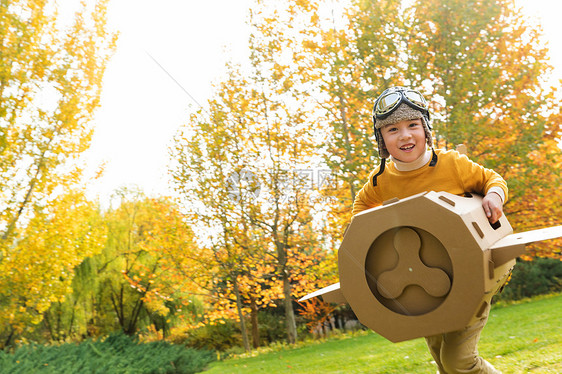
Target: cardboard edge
394,200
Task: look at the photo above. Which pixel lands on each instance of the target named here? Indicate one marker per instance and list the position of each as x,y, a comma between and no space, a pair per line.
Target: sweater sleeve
367,197
476,178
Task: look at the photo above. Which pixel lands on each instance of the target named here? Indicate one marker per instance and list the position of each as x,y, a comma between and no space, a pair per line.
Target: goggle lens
416,98
388,102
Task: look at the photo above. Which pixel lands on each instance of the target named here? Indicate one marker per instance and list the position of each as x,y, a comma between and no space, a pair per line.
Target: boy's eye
414,124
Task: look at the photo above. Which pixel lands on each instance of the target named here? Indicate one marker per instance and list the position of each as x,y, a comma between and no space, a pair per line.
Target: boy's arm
478,178
359,204
365,199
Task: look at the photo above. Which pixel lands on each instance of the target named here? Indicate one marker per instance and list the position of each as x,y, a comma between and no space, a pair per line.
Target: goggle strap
381,170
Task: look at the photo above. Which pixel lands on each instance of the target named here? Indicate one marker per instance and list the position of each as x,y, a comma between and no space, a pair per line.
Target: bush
218,337
272,327
116,354
531,278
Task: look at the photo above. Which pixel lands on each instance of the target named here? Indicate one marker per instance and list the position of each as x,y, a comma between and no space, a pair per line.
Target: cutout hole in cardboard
409,271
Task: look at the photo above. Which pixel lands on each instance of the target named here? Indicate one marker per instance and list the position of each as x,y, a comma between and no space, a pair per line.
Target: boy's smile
405,140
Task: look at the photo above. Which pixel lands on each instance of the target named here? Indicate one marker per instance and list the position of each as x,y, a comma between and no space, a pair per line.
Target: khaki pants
457,351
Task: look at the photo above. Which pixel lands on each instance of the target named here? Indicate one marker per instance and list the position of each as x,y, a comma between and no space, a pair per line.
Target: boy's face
405,140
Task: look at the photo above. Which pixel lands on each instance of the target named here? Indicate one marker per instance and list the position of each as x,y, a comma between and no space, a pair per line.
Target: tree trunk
289,312
245,339
254,321
290,320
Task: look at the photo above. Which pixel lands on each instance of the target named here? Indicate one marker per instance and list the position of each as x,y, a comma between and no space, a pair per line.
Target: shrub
116,354
531,278
272,327
218,337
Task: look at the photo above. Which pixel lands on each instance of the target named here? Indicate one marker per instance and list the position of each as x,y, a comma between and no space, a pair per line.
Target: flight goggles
391,98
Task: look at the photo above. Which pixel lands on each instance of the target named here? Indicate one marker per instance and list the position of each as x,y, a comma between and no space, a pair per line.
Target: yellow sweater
453,173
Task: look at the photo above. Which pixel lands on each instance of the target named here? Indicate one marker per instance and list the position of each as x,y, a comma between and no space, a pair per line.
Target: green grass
519,338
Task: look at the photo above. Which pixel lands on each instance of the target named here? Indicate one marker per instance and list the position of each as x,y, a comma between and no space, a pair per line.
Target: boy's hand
493,206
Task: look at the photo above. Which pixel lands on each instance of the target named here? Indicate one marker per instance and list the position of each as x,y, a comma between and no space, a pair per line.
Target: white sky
142,107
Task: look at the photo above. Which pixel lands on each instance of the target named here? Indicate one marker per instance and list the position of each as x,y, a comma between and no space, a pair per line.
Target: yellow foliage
39,269
40,141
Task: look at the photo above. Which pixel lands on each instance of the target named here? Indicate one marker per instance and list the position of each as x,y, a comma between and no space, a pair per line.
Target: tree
217,185
50,84
39,270
209,161
349,53
238,174
135,282
135,270
170,242
484,66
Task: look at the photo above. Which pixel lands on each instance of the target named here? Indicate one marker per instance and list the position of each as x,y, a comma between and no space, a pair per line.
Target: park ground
522,337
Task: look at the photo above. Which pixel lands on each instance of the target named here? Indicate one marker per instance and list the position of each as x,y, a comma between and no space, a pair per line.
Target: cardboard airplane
425,265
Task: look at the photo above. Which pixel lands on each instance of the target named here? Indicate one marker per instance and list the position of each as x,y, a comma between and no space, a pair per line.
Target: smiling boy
402,128
404,135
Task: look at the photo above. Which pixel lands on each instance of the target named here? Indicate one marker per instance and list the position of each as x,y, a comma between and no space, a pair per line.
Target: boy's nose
404,134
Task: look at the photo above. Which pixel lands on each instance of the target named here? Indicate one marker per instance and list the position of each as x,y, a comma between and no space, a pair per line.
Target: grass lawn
519,338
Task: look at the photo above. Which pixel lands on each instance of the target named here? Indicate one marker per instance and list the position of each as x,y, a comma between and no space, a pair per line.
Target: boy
401,123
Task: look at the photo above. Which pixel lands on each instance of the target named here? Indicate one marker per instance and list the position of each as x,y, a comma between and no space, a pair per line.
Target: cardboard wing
330,294
425,265
514,245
